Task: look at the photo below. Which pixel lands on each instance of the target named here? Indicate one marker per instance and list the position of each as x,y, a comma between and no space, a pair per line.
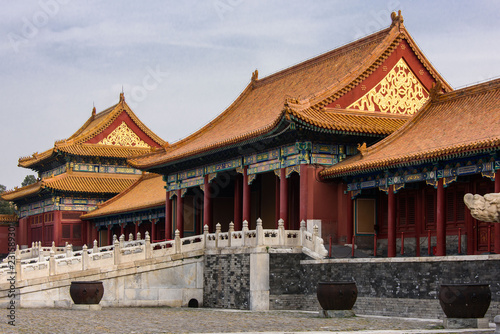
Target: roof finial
397,19
436,90
255,75
93,109
122,96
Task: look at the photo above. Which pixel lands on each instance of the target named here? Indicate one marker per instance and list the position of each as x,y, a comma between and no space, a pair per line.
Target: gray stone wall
399,287
227,281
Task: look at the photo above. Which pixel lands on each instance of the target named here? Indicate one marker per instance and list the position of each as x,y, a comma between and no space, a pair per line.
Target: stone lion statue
484,208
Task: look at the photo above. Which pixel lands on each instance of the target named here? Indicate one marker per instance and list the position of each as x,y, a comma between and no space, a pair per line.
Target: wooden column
136,230
237,202
496,249
304,192
246,197
284,197
440,221
391,223
110,235
207,206
152,237
179,224
277,201
349,218
168,217
122,230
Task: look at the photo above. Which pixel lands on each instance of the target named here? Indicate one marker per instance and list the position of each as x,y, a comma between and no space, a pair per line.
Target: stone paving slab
145,320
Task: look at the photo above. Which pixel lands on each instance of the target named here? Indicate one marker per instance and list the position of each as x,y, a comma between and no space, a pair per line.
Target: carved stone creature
484,208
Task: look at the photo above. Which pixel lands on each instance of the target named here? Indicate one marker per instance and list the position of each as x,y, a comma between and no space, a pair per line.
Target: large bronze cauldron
466,300
86,292
337,295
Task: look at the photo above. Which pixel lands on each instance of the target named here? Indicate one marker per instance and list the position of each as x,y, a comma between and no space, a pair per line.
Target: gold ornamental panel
399,92
123,136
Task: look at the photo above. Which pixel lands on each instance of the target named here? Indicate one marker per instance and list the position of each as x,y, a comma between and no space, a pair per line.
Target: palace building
77,174
262,157
367,141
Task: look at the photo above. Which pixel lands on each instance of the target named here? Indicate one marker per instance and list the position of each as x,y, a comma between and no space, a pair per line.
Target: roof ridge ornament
362,149
436,90
122,97
397,19
255,75
93,110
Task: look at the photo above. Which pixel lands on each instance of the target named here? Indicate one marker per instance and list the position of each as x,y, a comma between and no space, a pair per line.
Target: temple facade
79,173
408,190
263,156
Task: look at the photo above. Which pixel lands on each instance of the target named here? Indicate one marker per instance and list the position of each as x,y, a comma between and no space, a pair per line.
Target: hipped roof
78,182
96,124
147,192
302,92
460,123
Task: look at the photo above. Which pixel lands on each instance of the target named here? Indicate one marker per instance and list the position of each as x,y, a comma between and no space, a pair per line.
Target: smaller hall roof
95,125
147,192
77,182
459,123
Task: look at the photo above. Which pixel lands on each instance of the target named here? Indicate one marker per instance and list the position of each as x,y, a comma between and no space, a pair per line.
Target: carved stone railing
62,260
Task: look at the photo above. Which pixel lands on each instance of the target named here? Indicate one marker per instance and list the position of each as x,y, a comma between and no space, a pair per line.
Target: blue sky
181,63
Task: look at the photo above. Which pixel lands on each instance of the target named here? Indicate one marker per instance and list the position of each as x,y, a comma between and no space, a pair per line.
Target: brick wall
227,281
398,287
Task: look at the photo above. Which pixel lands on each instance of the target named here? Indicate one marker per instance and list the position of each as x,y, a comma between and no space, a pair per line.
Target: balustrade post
40,253
18,265
217,232
122,240
147,245
130,237
230,234
281,232
53,246
85,258
244,231
116,252
302,232
205,236
33,250
315,238
18,251
52,263
177,242
259,231
138,237
115,238
95,249
69,251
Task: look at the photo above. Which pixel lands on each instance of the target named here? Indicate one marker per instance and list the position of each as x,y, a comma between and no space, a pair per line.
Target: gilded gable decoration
123,136
399,92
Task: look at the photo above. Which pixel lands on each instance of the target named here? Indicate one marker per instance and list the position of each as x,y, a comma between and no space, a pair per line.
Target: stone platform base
86,307
455,323
336,313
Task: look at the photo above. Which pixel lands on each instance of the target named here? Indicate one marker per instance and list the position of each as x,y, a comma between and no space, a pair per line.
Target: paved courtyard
190,320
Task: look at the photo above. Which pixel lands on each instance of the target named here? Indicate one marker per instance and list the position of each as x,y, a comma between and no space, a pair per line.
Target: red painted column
207,206
180,214
57,229
284,197
277,201
304,191
391,223
237,203
496,249
152,237
168,217
349,218
122,230
440,221
110,237
136,230
246,197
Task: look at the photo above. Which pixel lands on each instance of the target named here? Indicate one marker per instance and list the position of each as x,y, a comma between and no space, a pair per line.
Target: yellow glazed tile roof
302,90
93,183
96,124
465,121
147,192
